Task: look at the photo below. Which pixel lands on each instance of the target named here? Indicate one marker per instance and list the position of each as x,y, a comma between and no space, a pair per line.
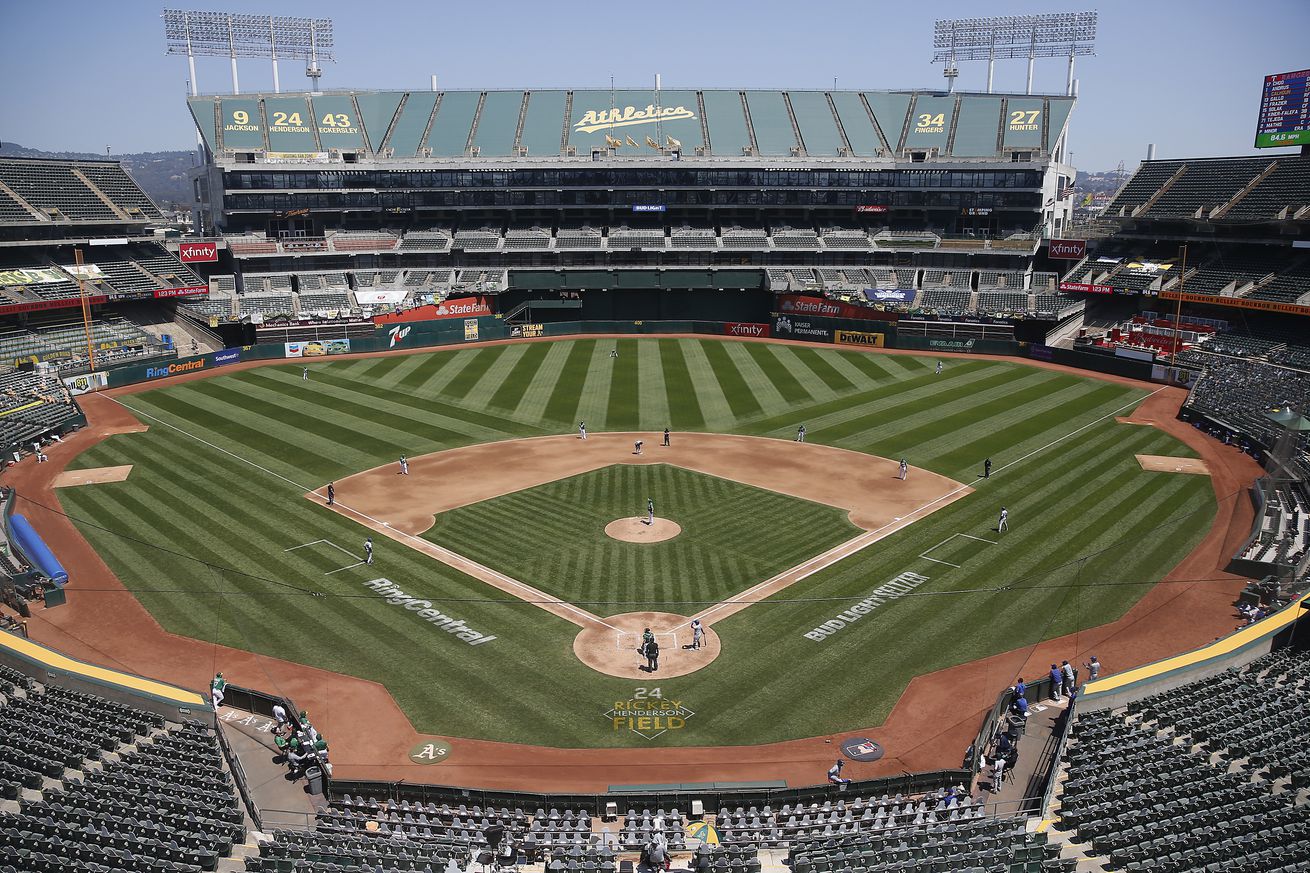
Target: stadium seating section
71,191
31,407
138,268
99,785
1201,777
1284,527
1217,189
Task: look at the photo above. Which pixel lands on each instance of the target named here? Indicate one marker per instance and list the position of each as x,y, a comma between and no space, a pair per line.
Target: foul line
451,559
852,546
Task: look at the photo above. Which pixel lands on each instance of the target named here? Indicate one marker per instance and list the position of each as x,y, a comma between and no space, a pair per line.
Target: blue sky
1185,75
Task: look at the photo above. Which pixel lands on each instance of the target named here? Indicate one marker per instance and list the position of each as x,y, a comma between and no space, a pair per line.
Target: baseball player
1004,523
404,466
697,634
800,434
304,374
582,430
905,470
650,509
666,437
332,494
368,550
614,352
637,448
987,468
939,368
834,774
216,689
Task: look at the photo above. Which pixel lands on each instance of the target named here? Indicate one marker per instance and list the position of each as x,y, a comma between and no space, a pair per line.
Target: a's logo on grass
430,752
647,713
397,334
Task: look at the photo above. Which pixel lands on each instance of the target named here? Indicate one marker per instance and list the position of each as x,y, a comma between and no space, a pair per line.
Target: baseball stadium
635,478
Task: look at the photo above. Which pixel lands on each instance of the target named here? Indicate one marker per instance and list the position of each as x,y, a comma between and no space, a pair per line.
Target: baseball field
825,581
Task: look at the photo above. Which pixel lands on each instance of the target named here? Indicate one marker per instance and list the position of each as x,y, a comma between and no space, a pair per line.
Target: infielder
1004,523
905,470
666,437
332,494
650,509
697,633
368,550
637,447
404,466
800,434
582,430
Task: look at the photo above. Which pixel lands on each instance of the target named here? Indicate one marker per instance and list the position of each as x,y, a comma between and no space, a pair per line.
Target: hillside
162,175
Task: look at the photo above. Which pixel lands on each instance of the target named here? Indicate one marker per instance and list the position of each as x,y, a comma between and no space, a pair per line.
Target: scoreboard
1284,111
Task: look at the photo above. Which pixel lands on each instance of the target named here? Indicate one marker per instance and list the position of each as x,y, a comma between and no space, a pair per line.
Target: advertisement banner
227,356
84,271
890,295
470,329
175,368
797,304
873,207
858,338
464,307
791,327
527,330
30,277
61,303
295,157
742,328
1084,288
1067,249
86,382
198,253
377,296
1238,302
188,291
316,348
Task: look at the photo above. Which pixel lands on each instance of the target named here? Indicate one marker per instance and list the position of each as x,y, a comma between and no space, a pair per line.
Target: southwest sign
192,253
594,120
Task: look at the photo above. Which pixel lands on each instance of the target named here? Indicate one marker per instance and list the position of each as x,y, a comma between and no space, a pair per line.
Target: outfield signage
465,307
1086,288
649,207
1067,249
388,590
227,356
798,304
858,338
898,587
1238,302
198,253
744,328
175,368
890,295
800,328
86,382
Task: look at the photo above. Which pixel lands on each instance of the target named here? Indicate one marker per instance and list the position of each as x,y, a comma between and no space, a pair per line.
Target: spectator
1057,680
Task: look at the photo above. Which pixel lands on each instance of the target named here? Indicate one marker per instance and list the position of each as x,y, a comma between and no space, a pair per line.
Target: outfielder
939,368
304,374
1004,523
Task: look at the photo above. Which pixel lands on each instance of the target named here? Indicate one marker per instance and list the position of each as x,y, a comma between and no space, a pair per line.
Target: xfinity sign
191,253
1067,249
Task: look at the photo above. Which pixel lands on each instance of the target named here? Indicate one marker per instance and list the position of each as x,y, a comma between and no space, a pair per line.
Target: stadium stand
1283,528
74,191
32,407
1240,392
1216,767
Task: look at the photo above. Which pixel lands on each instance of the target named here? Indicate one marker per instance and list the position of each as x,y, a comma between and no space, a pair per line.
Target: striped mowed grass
202,537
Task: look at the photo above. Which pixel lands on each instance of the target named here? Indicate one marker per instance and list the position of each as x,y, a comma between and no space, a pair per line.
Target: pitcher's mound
635,530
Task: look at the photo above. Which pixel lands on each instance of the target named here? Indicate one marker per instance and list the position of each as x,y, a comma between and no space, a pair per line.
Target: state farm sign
1067,249
741,328
192,253
1085,288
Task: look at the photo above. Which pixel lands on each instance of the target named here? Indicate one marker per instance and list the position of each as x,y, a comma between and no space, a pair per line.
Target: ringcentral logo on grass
393,595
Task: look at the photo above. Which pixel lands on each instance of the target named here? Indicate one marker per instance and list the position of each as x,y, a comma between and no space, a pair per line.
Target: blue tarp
35,550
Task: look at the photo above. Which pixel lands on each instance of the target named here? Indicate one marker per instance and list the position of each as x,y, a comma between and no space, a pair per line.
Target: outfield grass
733,536
1083,513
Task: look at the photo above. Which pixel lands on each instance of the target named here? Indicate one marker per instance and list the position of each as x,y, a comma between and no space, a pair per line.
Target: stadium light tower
238,35
1052,35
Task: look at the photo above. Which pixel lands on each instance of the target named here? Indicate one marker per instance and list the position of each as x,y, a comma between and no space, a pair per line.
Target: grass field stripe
784,380
450,558
741,400
516,382
706,386
567,393
809,381
429,365
679,390
651,388
475,367
758,382
532,405
623,411
594,394
821,366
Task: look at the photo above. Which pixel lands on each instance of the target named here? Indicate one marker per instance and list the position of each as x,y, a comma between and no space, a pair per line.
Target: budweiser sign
876,208
192,253
1067,249
741,328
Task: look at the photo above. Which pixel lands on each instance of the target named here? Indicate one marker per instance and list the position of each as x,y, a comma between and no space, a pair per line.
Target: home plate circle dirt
635,530
613,651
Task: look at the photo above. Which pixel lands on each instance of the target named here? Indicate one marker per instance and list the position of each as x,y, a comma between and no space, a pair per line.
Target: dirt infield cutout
1166,464
402,508
612,649
92,476
636,530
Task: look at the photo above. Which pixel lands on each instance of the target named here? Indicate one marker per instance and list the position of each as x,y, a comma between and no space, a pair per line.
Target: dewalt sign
858,338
